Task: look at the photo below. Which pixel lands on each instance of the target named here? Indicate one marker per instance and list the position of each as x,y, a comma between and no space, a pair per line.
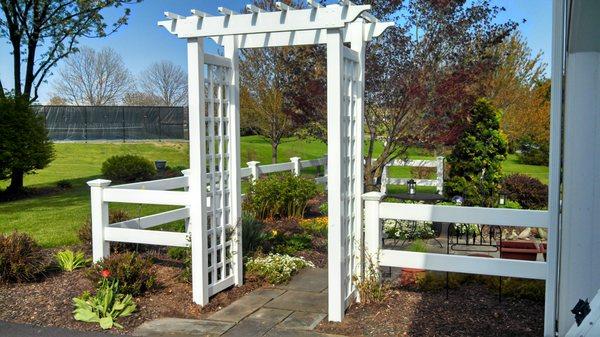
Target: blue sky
141,42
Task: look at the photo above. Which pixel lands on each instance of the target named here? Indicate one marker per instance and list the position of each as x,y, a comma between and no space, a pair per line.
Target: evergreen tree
476,160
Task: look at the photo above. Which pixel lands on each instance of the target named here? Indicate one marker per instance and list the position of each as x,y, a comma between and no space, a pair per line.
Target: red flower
105,273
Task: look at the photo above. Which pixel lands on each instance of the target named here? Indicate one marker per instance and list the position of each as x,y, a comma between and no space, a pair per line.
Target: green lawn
54,219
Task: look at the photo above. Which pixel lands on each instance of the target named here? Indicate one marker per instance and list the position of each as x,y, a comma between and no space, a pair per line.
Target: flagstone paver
310,279
182,327
300,301
241,308
300,320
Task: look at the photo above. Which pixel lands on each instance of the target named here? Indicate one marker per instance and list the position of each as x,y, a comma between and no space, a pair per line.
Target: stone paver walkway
291,310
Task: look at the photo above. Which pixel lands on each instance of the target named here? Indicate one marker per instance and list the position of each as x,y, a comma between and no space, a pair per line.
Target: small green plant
21,258
418,246
177,253
105,306
128,168
324,209
316,226
279,195
133,272
408,230
276,268
64,184
68,260
293,244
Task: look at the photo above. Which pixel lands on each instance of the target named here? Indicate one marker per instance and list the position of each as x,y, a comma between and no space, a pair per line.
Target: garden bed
470,310
49,302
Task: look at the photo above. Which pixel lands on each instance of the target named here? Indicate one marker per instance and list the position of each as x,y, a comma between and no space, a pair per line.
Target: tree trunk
274,152
16,182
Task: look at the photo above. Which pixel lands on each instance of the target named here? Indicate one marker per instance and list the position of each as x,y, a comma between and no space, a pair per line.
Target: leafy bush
534,290
105,306
253,235
128,168
476,160
529,192
64,184
276,268
315,226
133,272
85,231
177,253
279,195
292,244
21,258
532,153
68,260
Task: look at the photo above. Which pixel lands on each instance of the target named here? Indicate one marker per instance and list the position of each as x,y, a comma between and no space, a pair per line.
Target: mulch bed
49,301
471,310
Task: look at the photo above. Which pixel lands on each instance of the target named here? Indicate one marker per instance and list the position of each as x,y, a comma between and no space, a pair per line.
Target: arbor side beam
332,16
302,38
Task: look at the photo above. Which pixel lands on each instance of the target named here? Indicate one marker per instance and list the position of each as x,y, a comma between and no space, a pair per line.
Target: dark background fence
118,123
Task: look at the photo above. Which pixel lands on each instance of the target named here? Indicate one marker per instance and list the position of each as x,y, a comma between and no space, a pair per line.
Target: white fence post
384,179
100,247
373,233
440,174
253,165
296,162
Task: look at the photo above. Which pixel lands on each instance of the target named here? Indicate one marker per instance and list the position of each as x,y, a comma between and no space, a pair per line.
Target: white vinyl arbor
214,178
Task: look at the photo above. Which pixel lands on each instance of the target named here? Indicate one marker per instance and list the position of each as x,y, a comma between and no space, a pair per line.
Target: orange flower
105,273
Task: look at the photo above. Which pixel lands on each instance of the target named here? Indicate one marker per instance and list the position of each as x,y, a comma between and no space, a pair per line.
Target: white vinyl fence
438,182
376,211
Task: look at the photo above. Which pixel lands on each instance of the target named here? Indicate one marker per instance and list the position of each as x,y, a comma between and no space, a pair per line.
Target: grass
53,220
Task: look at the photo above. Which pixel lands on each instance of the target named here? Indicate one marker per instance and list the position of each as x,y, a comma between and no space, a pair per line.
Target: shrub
534,290
279,195
64,184
293,244
476,160
68,260
21,258
132,271
177,253
407,230
529,192
128,168
252,234
105,306
422,172
85,231
532,153
276,268
418,246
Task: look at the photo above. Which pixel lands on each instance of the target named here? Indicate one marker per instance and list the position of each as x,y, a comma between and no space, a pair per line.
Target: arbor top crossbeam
284,23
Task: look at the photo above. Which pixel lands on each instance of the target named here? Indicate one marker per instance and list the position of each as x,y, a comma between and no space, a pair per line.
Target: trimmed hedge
529,192
128,168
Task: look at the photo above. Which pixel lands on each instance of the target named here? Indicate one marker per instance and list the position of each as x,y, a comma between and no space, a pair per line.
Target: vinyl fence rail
438,182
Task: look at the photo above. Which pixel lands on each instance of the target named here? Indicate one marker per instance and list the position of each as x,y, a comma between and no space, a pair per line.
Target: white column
334,175
100,247
235,174
358,44
197,177
554,178
439,169
373,233
253,165
296,162
580,239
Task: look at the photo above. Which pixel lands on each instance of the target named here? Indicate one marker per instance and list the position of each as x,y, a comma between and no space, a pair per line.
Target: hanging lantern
412,186
502,200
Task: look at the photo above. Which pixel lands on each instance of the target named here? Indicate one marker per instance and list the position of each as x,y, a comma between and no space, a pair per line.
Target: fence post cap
98,183
295,159
373,196
440,157
253,163
186,172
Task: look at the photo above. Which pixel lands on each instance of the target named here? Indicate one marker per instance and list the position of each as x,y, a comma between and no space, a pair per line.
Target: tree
423,75
24,144
265,115
476,160
297,74
93,78
519,88
166,81
41,33
57,100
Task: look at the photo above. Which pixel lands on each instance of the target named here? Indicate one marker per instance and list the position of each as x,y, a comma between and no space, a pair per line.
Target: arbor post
100,247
